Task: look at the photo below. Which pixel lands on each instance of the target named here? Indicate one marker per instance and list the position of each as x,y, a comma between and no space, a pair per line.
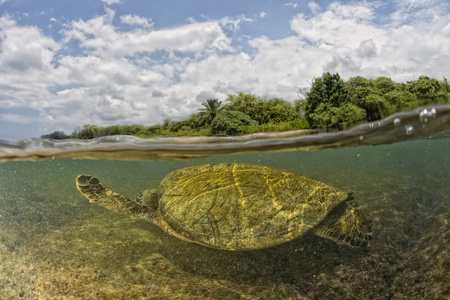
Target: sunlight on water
55,244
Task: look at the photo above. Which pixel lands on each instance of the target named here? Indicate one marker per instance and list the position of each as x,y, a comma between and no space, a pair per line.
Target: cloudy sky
66,63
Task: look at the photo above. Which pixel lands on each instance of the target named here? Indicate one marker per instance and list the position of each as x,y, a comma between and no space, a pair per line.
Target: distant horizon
108,62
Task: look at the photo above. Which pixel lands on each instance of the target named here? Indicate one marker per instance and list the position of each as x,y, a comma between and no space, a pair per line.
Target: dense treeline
329,103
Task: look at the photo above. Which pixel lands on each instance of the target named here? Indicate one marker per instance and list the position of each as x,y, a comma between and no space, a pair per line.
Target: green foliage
425,87
299,123
93,131
193,121
384,85
358,88
377,98
89,132
445,83
263,111
328,90
248,104
231,122
211,108
278,110
330,103
333,103
167,122
445,90
300,107
57,135
399,100
366,94
376,107
130,130
337,117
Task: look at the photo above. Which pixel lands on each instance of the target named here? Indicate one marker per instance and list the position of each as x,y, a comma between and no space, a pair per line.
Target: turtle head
90,187
97,193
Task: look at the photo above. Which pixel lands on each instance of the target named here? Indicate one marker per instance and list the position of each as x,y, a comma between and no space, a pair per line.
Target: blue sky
66,63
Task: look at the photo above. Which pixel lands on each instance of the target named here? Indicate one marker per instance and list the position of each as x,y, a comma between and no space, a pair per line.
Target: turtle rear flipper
346,224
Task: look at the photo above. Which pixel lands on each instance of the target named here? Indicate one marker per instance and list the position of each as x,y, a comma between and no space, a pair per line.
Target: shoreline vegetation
328,104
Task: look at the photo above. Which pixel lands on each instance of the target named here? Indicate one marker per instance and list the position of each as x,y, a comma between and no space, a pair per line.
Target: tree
167,122
190,124
248,104
231,122
328,90
363,93
400,100
446,85
131,129
278,110
300,107
358,88
376,107
327,93
425,88
445,90
384,85
210,110
57,135
89,132
337,117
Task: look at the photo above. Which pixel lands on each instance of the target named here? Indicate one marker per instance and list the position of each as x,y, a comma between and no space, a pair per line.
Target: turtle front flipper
346,224
92,189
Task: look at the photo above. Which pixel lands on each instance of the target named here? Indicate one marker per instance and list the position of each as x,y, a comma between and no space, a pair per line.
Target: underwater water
54,244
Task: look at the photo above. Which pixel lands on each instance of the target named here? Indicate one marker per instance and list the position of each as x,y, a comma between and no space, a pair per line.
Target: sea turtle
237,206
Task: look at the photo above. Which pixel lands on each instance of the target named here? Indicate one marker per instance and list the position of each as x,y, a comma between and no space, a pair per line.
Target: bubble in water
397,121
409,129
426,114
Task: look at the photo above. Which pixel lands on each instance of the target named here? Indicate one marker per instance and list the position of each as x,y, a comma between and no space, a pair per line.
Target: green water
54,244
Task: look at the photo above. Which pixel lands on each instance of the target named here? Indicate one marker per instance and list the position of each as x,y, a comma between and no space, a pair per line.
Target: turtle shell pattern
241,206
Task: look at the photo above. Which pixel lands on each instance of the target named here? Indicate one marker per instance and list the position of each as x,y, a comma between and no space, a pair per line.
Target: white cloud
293,5
25,48
233,23
145,75
26,64
110,2
356,45
367,49
314,7
16,118
417,11
340,24
262,14
100,37
136,20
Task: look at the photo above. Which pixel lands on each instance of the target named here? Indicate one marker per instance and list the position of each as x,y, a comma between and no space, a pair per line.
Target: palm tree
210,110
